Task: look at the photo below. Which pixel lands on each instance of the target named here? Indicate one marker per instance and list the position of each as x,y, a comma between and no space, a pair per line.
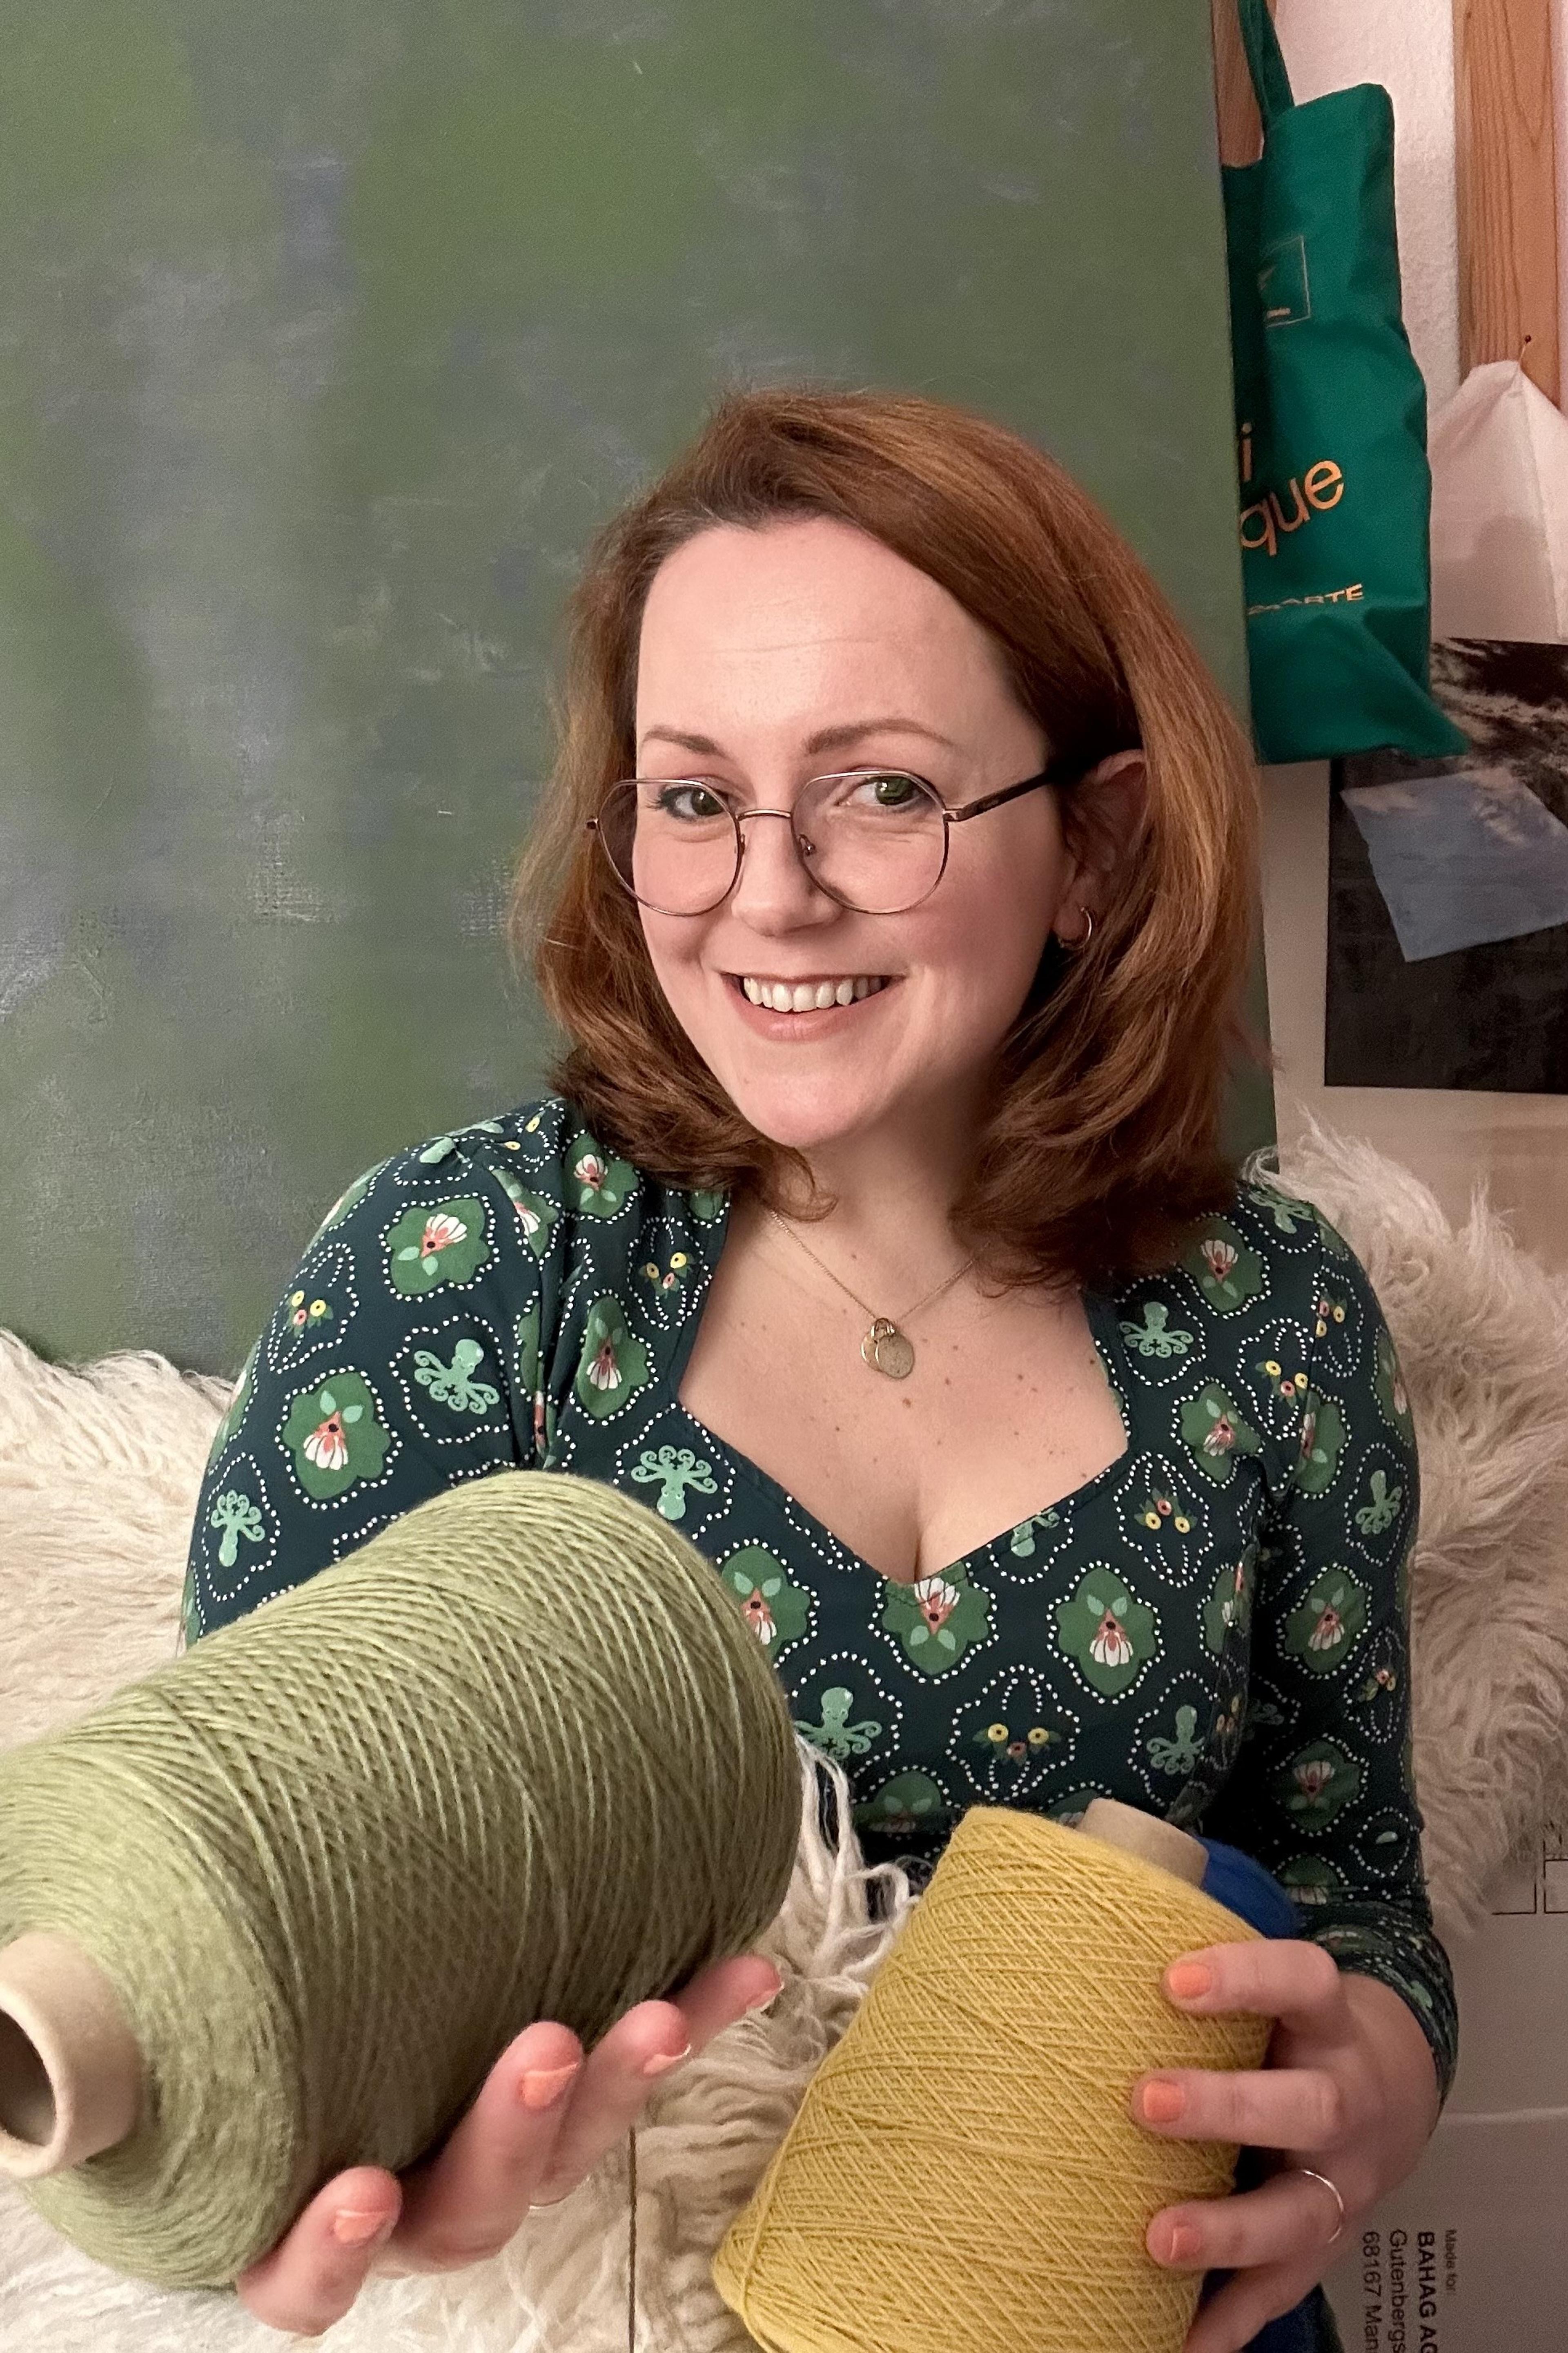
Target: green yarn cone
519,1758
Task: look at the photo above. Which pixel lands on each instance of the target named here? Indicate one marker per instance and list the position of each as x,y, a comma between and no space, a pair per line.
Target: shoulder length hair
1102,1146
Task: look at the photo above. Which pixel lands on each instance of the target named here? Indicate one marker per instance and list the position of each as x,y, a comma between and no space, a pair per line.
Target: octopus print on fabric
1213,1627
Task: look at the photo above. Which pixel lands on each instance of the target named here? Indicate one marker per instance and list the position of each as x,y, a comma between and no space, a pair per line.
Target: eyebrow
826,739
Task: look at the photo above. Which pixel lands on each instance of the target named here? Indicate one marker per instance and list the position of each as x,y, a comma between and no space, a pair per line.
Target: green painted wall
327,335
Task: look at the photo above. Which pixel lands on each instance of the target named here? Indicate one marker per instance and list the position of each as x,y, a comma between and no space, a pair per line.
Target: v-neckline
1105,1331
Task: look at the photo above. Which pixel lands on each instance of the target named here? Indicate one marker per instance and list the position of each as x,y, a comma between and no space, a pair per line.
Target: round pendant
886,1348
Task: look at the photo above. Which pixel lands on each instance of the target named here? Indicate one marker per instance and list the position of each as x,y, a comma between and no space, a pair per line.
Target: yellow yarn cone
965,2174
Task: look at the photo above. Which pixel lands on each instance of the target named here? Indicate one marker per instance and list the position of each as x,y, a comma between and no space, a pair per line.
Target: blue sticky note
1462,859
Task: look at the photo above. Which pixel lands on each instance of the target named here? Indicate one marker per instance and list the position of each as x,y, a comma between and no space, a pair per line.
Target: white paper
1500,512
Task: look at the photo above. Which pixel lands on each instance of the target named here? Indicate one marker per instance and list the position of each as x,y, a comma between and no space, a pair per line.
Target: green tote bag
1330,415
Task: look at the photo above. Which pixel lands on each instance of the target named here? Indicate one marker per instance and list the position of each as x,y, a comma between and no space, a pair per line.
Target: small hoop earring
1078,944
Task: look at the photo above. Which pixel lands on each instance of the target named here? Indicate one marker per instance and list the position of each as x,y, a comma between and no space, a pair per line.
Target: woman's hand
541,2120
1349,2088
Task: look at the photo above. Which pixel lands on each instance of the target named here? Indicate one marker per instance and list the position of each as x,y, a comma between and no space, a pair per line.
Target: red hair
1102,1147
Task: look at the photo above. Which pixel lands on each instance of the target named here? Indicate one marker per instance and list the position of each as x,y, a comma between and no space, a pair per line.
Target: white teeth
806,995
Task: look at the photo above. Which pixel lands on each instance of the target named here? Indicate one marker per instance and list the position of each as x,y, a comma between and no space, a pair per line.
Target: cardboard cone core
1158,1842
70,2070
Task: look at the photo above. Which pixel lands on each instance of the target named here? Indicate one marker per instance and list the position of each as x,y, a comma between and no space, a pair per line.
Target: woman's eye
890,790
688,799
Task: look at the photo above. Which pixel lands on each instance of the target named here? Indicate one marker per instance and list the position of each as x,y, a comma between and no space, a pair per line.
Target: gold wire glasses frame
617,823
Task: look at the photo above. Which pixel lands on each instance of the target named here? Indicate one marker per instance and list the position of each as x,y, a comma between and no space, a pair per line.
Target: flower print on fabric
1226,1731
334,1436
963,1726
238,1398
454,1385
1162,1519
836,1735
1328,1313
1317,1783
1323,1629
1283,1381
534,1214
777,1611
1393,1398
1323,1441
530,1383
908,1803
1012,1737
314,1315
307,1317
1218,1431
1308,1878
1108,1632
1377,1686
672,1470
937,1618
613,1365
1155,1339
1226,1270
1227,1613
598,1183
664,1286
431,1246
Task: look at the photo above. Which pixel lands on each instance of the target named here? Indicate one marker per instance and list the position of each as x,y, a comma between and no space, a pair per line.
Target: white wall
1408,44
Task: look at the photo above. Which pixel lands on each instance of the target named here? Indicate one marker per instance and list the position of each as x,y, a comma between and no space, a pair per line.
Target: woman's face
769,657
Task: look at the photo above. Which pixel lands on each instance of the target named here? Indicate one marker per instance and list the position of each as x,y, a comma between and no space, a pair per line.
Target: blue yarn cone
1243,1885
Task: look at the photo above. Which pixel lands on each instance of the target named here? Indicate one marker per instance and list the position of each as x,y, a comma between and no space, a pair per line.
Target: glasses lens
875,839
672,841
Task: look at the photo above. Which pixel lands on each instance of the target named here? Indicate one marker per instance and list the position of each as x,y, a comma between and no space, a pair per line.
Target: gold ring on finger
1334,2192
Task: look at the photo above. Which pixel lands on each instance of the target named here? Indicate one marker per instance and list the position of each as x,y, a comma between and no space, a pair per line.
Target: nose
774,891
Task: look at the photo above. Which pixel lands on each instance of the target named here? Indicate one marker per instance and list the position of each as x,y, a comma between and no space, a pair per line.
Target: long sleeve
1323,1791
402,1357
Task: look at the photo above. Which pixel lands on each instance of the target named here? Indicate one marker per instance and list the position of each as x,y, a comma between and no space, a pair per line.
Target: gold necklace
884,1347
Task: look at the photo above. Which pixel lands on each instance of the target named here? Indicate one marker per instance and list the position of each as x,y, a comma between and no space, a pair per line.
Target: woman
893,893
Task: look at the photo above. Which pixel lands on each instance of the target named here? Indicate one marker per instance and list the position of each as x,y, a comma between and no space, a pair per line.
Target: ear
1105,813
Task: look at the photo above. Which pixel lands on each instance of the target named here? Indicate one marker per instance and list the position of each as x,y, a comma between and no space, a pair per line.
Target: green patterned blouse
1213,1628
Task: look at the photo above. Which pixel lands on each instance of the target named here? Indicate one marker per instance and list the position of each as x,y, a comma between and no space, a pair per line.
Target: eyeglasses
875,840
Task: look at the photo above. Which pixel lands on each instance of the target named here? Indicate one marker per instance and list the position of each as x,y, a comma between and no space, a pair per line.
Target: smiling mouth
808,996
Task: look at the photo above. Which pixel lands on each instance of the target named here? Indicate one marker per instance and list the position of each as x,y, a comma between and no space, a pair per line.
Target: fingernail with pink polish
353,2228
542,2086
1185,2243
1162,2103
761,2000
661,2060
